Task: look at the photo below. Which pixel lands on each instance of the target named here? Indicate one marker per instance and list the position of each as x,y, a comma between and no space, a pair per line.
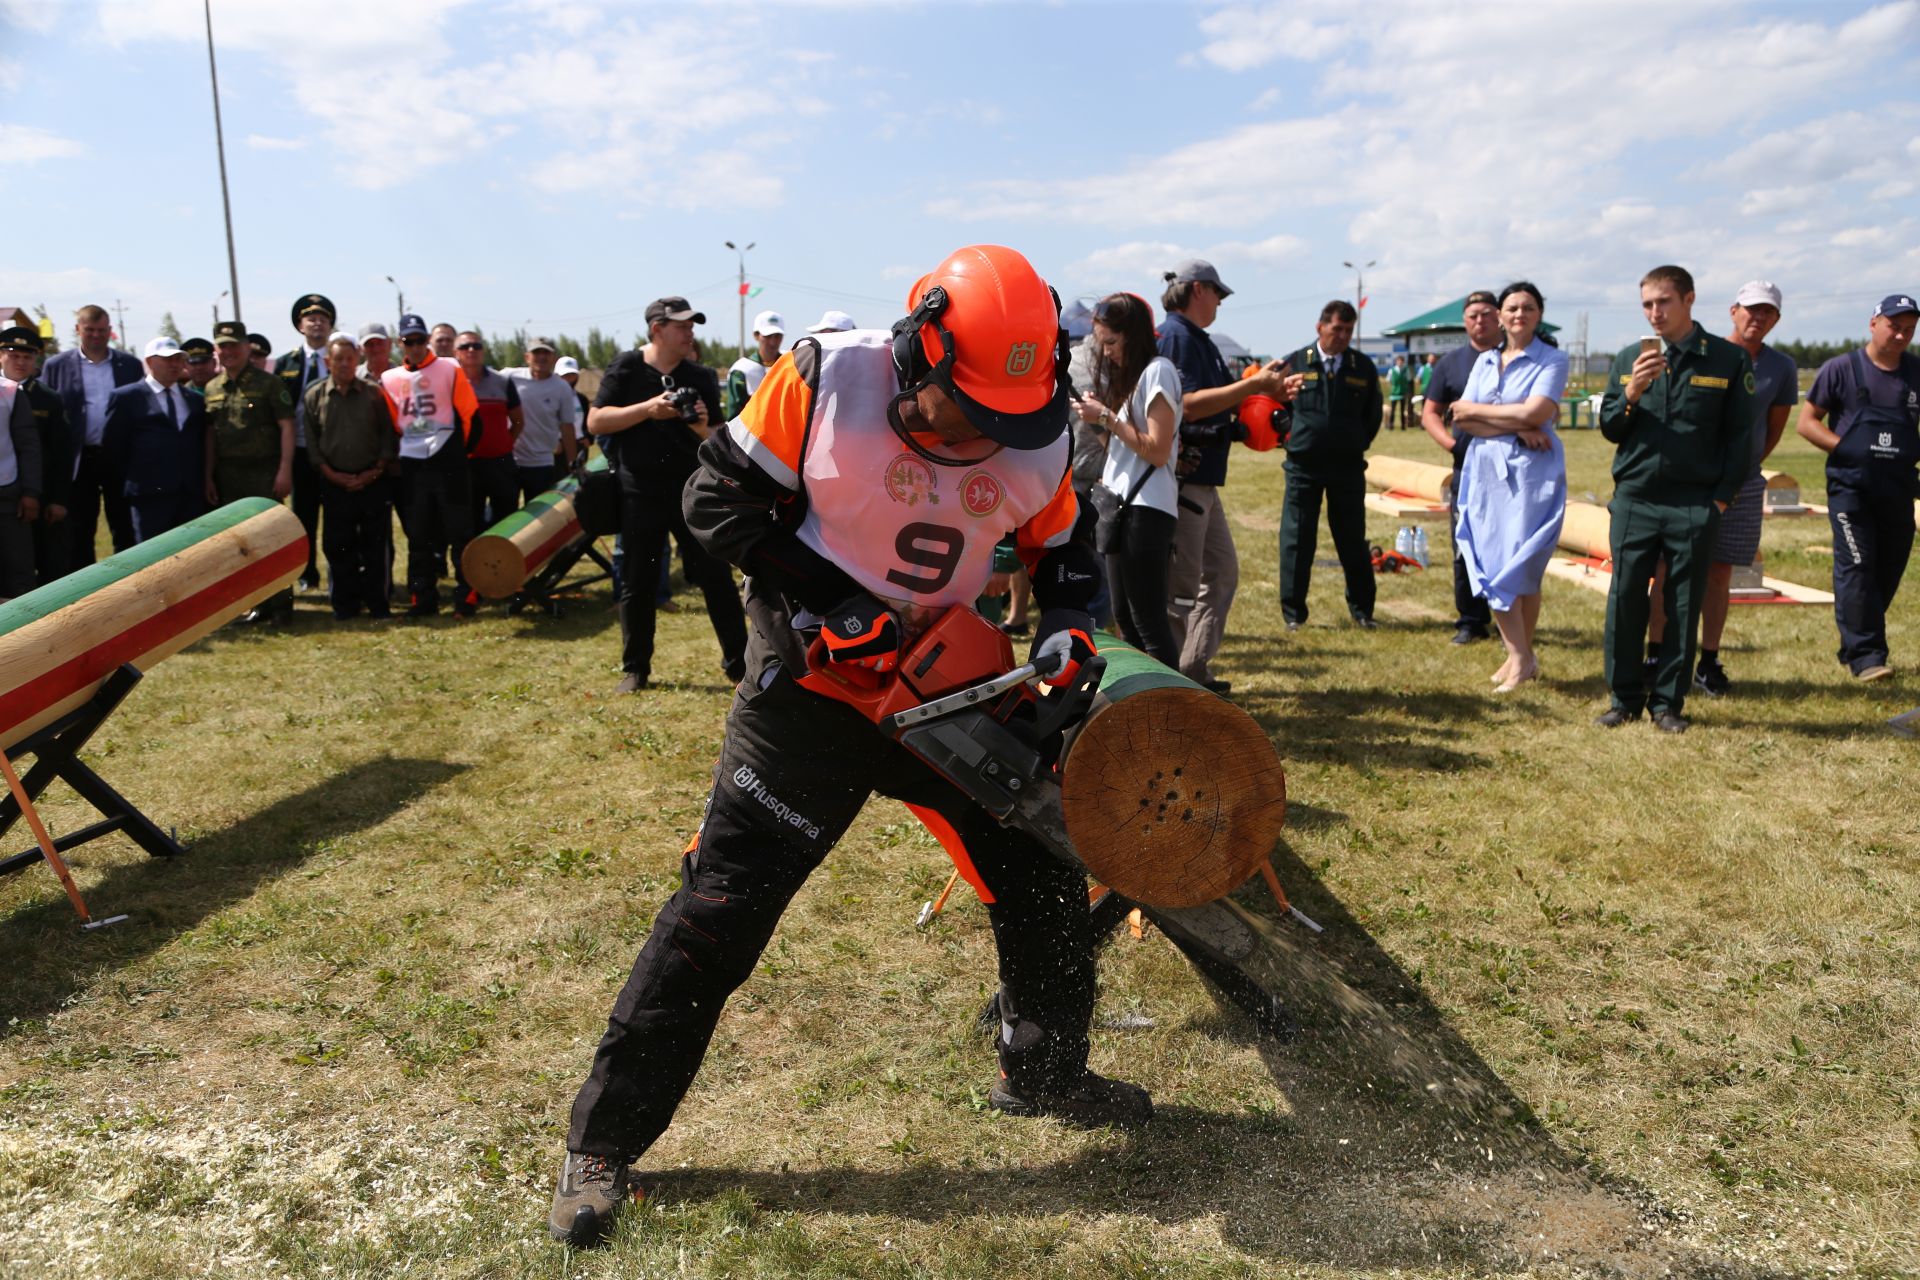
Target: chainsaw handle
1069,706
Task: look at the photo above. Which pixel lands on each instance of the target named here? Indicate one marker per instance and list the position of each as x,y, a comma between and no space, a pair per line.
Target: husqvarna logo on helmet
1020,357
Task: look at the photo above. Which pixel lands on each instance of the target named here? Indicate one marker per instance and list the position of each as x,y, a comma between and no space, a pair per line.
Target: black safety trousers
794,771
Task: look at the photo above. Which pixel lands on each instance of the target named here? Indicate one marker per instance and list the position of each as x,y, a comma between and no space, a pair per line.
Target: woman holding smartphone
1135,397
1512,494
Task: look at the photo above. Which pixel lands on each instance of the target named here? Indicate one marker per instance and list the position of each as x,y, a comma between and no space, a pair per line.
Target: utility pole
743,291
120,323
220,145
1359,293
216,308
399,298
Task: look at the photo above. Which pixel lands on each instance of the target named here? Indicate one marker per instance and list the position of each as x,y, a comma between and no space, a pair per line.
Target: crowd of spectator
449,445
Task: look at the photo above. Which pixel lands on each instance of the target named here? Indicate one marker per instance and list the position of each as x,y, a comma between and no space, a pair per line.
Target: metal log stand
543,588
55,748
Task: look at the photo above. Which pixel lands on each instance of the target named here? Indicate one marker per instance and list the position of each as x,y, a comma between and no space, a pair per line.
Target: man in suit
20,349
154,444
300,368
83,378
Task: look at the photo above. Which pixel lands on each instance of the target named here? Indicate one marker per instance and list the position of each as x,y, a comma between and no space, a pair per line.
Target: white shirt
1332,362
169,401
545,403
96,380
1159,380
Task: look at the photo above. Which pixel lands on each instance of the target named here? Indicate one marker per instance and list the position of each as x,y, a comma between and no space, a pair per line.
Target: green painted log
1171,795
58,643
499,561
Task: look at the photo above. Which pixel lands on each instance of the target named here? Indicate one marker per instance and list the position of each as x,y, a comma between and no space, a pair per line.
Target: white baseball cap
1755,293
832,322
163,347
566,364
770,322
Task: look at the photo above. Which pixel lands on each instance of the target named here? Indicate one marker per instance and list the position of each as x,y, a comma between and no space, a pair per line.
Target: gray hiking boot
1090,1102
591,1191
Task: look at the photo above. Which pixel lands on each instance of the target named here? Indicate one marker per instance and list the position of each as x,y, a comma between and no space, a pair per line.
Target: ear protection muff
909,353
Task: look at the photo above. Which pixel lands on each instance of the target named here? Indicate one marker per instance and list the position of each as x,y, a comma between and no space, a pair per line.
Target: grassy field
339,1037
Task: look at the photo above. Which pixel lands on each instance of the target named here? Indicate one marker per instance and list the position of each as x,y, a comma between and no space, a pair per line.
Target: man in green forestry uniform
1334,416
249,437
1679,411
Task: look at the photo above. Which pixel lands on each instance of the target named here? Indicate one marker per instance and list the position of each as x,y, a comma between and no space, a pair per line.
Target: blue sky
561,163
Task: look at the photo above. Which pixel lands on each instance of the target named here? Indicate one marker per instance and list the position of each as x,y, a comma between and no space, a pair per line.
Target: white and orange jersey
429,404
917,531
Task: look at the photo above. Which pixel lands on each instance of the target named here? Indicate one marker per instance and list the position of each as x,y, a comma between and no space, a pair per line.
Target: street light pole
742,252
220,146
399,298
216,308
1359,291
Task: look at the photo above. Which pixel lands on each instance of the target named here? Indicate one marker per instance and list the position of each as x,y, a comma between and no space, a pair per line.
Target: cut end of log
1173,796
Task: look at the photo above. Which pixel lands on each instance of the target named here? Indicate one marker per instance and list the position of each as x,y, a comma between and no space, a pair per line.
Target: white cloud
1244,38
26,144
28,15
261,142
1551,144
373,71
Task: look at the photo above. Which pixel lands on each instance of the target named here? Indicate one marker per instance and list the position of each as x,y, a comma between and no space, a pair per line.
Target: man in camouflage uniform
249,438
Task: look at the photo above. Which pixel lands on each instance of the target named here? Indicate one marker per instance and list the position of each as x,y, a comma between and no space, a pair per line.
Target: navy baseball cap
1897,304
412,326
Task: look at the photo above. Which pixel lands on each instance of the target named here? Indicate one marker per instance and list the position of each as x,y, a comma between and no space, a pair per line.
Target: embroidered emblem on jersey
981,493
910,480
1749,383
1020,358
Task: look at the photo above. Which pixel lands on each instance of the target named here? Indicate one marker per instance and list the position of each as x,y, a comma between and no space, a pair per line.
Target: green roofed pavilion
1443,319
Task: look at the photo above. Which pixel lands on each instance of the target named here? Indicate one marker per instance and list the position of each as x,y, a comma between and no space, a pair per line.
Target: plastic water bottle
1420,547
1403,542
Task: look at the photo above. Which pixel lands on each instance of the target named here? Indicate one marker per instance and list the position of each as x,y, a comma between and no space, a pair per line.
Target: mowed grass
340,1037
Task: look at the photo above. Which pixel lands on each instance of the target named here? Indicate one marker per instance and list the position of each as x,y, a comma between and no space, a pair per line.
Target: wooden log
1781,495
58,643
1416,479
1585,530
500,560
1172,797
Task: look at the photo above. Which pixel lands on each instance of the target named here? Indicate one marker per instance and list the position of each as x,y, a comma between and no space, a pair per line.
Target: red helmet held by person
985,328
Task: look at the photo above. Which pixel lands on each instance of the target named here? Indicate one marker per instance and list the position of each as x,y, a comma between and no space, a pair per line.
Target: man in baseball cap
1873,394
376,350
832,322
743,376
1197,271
154,444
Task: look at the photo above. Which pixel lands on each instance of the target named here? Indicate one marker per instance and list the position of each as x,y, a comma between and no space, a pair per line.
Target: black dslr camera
686,402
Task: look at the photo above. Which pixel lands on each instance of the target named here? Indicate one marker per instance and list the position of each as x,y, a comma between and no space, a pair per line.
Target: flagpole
743,291
220,145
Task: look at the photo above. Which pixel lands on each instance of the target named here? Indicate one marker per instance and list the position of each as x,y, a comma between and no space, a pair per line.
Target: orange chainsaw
957,702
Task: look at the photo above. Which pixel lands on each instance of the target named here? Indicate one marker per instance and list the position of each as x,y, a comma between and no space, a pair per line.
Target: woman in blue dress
1512,493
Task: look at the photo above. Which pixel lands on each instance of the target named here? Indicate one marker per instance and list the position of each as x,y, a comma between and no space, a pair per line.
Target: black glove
1062,633
862,632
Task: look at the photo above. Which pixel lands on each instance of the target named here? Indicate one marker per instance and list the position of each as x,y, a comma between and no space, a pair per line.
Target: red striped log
146,603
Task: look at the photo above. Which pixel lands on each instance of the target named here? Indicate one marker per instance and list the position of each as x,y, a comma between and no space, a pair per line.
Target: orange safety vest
429,404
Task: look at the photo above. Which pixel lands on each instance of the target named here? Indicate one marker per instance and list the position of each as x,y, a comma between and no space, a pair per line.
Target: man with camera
656,404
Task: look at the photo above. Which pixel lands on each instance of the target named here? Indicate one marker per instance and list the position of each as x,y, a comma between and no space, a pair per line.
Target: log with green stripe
1171,795
58,643
499,561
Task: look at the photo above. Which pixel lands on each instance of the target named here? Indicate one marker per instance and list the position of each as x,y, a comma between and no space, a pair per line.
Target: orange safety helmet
1261,414
986,328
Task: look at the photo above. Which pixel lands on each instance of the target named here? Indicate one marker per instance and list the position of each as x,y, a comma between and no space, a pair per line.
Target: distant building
1440,330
